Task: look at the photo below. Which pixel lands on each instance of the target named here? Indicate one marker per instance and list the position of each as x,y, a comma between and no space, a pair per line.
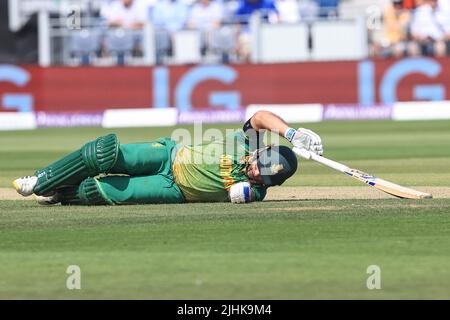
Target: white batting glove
240,193
305,139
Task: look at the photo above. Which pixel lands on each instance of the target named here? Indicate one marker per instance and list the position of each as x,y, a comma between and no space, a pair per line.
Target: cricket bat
383,185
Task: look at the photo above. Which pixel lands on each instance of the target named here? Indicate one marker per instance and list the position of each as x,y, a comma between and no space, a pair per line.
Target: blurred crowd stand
221,27
160,32
421,27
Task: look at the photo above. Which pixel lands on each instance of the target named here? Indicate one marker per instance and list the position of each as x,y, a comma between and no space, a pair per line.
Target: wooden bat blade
388,187
382,185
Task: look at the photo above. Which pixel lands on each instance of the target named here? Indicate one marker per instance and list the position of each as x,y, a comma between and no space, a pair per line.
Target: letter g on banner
186,86
19,77
426,66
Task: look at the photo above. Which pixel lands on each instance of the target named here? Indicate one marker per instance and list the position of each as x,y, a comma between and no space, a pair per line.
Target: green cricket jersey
206,172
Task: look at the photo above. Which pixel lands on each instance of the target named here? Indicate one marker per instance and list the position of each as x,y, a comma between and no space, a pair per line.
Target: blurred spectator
243,13
396,24
127,19
289,11
168,17
128,14
443,17
206,16
418,3
408,4
426,31
444,5
248,7
328,8
308,10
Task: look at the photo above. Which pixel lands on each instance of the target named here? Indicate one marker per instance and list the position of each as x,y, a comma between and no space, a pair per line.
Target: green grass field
308,249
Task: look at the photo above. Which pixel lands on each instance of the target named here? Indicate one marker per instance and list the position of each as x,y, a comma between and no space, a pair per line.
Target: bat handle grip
308,155
303,153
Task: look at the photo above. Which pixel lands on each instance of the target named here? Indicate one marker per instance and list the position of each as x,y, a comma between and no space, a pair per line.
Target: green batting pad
87,193
95,157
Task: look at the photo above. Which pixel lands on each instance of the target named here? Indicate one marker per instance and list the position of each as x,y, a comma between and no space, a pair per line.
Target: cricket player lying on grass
237,169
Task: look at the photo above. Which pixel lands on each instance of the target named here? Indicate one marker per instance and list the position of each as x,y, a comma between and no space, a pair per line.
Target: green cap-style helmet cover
276,164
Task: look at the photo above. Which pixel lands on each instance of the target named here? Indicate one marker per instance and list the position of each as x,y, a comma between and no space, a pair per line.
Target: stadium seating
121,43
222,45
85,43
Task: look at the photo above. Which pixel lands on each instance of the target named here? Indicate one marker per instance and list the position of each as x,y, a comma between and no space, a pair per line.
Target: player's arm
301,138
266,120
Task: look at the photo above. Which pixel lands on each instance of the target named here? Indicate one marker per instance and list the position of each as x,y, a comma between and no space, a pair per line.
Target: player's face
253,173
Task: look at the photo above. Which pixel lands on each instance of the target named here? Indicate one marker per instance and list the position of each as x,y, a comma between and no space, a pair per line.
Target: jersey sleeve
259,192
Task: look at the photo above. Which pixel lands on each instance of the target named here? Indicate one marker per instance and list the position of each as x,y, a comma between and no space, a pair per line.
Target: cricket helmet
276,164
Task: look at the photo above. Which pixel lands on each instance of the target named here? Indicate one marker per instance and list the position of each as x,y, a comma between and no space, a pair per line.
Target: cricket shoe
25,185
48,200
